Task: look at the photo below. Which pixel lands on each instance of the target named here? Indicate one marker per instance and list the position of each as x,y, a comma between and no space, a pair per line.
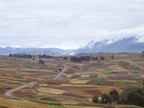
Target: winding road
60,74
10,92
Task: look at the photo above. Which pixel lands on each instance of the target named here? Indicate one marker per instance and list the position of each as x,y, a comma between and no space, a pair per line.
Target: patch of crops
94,92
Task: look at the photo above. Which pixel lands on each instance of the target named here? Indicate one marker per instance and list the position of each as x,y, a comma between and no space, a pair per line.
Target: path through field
60,74
10,92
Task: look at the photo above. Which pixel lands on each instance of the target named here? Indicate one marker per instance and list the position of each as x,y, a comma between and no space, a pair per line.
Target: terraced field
76,87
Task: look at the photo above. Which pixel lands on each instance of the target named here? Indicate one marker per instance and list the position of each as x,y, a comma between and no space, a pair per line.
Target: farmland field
77,85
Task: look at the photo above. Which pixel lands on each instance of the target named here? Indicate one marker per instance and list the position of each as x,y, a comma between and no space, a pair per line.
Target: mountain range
130,44
33,51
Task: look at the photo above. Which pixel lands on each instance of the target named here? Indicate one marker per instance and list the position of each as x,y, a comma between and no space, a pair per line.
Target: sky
68,24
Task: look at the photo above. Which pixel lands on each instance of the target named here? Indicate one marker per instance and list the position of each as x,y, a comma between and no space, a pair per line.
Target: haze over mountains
129,44
35,51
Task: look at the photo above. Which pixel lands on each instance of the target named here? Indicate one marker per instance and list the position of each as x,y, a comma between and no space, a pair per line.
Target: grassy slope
8,103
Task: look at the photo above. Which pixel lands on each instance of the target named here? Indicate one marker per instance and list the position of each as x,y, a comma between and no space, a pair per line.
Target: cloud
68,23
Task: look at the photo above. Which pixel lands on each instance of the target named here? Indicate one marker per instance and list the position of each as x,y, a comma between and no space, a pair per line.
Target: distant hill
131,44
35,51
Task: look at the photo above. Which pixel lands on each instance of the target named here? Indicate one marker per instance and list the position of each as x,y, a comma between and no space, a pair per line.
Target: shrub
95,99
114,95
41,62
133,96
106,99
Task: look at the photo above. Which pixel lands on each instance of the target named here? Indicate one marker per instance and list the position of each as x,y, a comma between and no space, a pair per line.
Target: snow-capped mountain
130,44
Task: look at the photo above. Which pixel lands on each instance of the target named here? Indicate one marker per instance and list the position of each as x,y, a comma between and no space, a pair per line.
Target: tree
41,62
142,54
10,55
136,97
106,99
102,58
95,99
114,95
133,96
29,56
112,57
123,98
60,69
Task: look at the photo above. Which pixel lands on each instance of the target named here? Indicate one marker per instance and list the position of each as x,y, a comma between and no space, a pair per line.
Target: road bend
10,92
61,73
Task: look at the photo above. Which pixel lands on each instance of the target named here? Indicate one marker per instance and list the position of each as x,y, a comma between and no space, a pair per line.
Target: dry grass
101,75
13,82
51,91
42,94
116,68
14,72
68,106
78,85
105,89
131,81
83,88
70,102
43,85
36,70
79,81
8,103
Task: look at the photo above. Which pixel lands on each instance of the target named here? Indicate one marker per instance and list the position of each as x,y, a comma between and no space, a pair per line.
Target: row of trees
41,62
23,55
46,56
130,96
113,96
80,59
133,96
88,58
142,54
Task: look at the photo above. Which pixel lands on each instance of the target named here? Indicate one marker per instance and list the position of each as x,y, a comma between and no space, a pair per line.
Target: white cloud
68,23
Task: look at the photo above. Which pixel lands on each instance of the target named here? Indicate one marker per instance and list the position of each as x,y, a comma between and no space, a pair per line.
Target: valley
63,83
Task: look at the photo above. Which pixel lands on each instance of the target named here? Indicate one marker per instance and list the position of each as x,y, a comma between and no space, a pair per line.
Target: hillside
34,51
8,103
131,44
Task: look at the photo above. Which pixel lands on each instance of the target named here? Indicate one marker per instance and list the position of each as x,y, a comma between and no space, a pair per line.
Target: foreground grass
92,105
9,103
49,103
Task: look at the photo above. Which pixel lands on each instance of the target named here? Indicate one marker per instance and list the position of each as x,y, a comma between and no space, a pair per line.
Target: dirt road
60,74
10,92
